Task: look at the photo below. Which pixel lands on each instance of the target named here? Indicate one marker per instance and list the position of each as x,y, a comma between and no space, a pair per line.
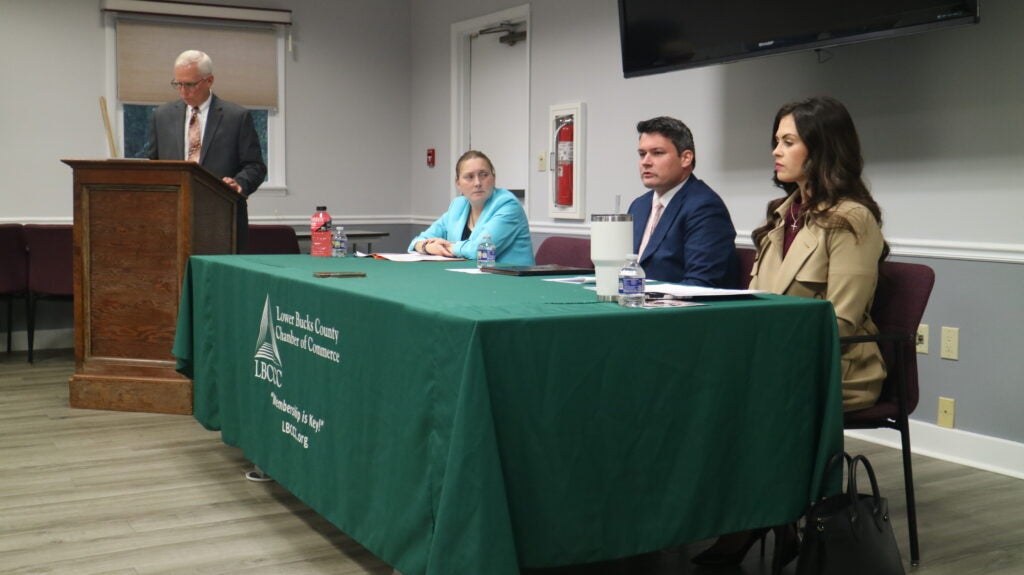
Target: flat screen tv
664,35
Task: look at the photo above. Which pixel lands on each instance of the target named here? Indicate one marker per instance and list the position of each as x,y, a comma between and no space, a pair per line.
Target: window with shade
246,59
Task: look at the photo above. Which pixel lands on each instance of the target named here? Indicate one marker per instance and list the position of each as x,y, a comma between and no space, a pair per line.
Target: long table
456,423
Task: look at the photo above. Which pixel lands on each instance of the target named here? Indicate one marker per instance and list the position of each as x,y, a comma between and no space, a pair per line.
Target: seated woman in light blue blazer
480,209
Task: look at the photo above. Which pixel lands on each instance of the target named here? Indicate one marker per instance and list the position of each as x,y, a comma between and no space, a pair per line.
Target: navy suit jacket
694,242
231,147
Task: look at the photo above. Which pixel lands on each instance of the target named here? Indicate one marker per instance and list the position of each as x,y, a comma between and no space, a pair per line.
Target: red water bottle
320,233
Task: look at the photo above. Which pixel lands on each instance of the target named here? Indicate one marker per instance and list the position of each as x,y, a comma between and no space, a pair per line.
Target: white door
491,94
499,106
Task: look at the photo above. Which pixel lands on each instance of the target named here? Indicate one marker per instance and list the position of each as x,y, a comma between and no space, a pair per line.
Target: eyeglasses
482,175
187,85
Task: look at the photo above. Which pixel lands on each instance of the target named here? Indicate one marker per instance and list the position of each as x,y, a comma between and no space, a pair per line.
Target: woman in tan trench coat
822,240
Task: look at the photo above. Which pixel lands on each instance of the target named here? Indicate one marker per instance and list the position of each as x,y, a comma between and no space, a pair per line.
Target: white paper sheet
409,257
685,292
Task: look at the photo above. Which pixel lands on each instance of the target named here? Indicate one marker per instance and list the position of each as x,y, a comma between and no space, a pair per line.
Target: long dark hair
834,165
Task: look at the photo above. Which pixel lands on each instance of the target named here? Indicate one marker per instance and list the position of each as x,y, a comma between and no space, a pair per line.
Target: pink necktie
195,139
652,223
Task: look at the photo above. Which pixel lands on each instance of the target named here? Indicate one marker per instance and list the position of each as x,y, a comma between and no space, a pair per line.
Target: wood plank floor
101,492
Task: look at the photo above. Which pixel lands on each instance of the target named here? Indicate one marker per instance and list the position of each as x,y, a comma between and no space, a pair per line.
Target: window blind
193,10
244,60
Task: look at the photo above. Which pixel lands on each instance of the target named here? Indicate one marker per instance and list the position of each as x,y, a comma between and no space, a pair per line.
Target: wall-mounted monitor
664,35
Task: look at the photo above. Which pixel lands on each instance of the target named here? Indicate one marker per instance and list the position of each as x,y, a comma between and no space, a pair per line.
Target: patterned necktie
195,138
652,223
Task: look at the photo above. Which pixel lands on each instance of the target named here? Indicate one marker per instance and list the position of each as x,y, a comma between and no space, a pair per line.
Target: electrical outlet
950,343
922,338
947,411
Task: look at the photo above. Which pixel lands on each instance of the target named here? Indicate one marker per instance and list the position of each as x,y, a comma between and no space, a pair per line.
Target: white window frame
276,184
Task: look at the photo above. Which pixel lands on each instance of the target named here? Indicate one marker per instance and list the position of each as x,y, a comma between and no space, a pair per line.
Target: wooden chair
900,300
272,239
50,269
566,251
13,270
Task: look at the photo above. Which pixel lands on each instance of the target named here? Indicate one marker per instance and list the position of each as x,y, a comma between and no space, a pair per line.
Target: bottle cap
321,208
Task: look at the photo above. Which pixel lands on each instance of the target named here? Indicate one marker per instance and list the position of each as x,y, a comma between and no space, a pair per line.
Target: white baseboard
954,445
302,221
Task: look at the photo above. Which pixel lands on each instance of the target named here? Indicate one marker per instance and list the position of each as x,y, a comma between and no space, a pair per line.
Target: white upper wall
368,90
348,110
53,68
347,105
938,113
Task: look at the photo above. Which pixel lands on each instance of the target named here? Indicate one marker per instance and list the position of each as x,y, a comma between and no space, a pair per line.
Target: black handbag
849,533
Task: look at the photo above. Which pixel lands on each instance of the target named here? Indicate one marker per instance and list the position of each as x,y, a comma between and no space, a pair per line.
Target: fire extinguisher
564,160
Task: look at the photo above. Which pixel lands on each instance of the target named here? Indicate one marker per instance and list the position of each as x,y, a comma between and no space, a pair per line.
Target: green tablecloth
465,424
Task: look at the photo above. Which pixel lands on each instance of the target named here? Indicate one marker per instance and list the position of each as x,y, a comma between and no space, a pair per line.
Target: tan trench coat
838,266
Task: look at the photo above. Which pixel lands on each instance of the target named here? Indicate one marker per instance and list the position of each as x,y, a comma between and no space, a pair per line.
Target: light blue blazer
503,218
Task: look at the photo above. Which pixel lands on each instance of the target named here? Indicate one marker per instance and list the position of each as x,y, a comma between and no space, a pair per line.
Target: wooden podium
136,224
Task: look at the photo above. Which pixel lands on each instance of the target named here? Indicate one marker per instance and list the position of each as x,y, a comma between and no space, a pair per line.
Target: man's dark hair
672,129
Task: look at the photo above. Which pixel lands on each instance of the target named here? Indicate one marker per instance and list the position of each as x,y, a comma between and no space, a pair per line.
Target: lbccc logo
267,360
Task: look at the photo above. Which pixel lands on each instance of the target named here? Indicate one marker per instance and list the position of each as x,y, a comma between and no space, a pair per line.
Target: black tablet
543,270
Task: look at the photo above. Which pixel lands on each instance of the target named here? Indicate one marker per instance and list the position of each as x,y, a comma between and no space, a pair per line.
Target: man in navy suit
221,135
681,228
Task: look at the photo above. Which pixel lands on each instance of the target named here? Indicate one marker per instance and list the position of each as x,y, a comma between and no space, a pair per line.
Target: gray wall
984,300
368,89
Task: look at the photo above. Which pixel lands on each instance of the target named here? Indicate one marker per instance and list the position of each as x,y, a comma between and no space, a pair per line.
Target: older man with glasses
215,133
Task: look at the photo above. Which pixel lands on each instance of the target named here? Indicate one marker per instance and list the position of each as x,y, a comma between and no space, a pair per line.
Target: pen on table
339,274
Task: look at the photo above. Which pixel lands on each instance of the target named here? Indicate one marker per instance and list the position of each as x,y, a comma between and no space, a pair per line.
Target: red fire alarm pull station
430,157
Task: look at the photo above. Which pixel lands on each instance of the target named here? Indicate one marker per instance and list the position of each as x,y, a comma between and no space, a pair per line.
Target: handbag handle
836,459
852,484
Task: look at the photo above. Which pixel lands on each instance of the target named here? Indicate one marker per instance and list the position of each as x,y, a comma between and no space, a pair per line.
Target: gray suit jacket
231,147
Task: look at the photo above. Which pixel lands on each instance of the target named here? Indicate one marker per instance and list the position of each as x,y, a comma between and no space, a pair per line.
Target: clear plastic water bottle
320,233
485,251
631,283
339,242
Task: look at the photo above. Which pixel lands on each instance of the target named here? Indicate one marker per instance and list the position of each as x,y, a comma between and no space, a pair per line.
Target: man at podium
215,133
